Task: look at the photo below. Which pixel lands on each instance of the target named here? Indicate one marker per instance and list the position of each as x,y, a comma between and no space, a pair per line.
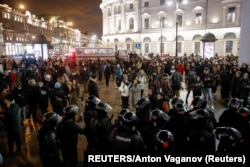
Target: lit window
198,18
231,12
146,4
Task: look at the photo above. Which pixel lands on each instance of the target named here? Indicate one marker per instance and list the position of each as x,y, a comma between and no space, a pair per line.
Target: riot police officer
229,139
164,142
159,119
228,116
143,107
173,103
118,121
126,138
179,126
201,138
155,136
200,103
242,123
90,111
100,127
68,131
48,141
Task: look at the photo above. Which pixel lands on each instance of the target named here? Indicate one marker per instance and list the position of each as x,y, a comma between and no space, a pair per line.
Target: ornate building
19,31
166,26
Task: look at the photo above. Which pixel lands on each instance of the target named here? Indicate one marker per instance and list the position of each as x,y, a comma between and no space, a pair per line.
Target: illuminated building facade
149,26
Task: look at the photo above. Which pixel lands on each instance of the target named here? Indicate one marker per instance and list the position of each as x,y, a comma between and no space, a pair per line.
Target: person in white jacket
125,92
141,77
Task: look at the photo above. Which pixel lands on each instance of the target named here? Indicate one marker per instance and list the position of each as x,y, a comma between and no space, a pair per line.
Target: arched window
146,39
229,37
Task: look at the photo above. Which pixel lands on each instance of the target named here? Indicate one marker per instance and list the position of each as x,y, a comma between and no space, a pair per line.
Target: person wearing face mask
12,125
32,94
43,96
20,97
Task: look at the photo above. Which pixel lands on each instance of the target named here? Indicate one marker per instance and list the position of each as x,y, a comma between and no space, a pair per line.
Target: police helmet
228,132
143,107
51,119
164,137
92,100
122,112
158,115
102,106
235,103
199,113
70,111
244,112
181,108
176,100
199,102
129,120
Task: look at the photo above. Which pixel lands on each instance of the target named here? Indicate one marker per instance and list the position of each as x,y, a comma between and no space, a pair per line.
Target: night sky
86,15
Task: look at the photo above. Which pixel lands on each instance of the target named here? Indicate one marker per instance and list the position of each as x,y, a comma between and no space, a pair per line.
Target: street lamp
161,39
177,22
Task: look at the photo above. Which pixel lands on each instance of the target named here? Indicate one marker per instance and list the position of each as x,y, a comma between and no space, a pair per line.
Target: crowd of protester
31,86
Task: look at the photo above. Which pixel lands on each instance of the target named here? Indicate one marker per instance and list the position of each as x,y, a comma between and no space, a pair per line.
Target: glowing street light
21,6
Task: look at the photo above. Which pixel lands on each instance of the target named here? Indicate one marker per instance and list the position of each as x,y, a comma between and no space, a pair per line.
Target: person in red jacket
180,68
12,79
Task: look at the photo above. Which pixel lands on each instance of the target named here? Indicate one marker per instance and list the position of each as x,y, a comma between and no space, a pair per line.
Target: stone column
244,56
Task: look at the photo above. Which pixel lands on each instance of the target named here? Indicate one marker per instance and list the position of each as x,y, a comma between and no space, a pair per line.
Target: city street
111,95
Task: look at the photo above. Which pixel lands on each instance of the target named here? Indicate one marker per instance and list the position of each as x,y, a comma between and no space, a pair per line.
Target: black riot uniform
173,103
90,108
163,142
48,141
179,126
200,103
125,138
236,117
159,119
118,121
227,118
100,127
157,137
68,131
143,107
229,139
90,113
243,125
201,137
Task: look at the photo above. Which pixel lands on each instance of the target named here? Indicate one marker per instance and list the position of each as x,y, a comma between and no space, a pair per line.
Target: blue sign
137,45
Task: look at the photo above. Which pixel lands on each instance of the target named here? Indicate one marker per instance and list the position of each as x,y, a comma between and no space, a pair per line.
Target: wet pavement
30,156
